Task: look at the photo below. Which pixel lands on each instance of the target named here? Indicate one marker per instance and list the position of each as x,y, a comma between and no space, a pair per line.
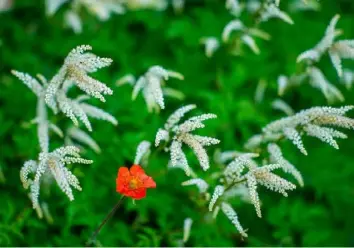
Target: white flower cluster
74,72
5,5
232,216
104,9
337,50
225,156
266,10
244,172
76,137
235,174
245,36
271,10
282,106
305,5
53,94
53,163
211,44
43,125
312,122
218,191
176,134
235,34
348,78
142,153
187,225
152,85
200,183
242,175
285,82
234,7
319,81
276,156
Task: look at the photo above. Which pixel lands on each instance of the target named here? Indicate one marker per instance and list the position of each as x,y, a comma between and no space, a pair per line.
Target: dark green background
320,214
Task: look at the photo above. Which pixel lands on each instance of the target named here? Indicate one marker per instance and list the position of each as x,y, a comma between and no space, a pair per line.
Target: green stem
157,150
105,220
234,184
230,186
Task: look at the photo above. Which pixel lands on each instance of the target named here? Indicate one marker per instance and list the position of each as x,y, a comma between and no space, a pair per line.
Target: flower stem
234,184
105,220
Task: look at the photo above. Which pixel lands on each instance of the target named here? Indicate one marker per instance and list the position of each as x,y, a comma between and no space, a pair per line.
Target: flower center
133,184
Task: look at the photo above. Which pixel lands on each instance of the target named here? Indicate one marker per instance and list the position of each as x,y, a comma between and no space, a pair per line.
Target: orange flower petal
122,179
149,183
137,194
136,170
123,172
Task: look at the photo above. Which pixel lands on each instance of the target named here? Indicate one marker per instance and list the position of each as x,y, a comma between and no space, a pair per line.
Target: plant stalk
104,221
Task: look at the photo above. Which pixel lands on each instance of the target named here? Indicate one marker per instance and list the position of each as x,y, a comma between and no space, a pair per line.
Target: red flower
133,182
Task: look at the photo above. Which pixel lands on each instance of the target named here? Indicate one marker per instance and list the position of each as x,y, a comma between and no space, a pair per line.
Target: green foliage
320,214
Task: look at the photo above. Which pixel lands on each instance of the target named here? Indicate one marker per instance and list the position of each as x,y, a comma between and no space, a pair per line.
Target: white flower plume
271,10
232,216
75,70
187,225
211,44
53,93
179,133
152,86
244,35
312,122
218,191
200,183
348,78
337,50
77,109
276,156
77,137
245,170
234,6
142,152
285,82
326,42
282,106
53,163
319,81
264,176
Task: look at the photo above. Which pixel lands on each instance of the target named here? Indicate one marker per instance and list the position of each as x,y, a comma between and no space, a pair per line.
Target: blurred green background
320,214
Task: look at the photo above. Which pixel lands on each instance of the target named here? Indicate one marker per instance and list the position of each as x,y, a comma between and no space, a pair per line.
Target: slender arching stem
234,184
104,221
